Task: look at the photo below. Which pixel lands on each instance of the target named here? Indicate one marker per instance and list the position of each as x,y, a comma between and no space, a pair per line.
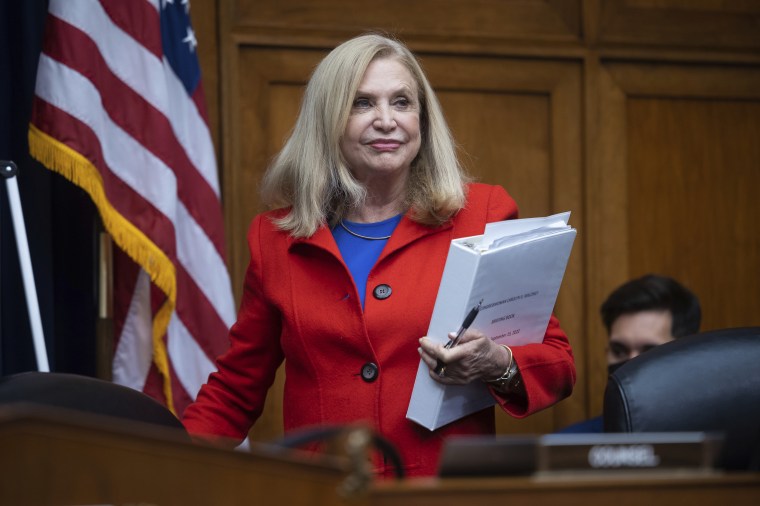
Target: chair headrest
708,382
85,394
695,383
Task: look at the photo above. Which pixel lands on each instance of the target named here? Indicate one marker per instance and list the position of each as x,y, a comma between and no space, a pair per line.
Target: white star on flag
190,39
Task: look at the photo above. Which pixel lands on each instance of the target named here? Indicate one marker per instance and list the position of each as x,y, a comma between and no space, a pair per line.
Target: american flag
119,110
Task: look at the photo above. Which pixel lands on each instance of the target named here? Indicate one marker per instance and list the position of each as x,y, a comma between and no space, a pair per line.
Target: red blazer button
382,292
370,372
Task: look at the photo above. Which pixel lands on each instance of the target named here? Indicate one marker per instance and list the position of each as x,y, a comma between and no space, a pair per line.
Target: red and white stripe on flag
118,110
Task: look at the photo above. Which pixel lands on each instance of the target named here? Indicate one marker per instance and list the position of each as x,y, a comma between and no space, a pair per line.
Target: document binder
516,268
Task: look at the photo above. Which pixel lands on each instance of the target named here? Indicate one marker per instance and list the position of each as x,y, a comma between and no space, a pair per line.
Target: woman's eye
401,102
361,103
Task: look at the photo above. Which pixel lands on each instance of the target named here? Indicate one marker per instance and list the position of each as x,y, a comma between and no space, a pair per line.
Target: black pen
440,367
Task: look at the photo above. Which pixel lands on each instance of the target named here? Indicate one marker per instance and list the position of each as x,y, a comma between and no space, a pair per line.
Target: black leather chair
86,394
709,382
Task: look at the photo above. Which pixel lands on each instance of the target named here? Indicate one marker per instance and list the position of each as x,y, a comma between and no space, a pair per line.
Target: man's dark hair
653,292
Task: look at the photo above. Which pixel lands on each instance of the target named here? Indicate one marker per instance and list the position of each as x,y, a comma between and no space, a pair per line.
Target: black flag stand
9,170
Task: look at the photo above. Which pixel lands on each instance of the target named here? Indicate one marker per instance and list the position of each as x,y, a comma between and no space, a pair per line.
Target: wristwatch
509,381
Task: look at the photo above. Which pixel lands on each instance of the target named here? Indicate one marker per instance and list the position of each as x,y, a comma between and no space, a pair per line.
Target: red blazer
300,304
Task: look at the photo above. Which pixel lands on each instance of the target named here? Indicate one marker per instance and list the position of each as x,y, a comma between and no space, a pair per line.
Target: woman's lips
385,145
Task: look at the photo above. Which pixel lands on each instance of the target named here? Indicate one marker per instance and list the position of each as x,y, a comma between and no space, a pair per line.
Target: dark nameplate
515,455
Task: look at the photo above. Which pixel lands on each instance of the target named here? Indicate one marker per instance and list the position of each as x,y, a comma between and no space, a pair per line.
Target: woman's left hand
475,357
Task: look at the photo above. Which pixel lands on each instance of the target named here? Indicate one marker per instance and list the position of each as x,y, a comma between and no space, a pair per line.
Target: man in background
639,315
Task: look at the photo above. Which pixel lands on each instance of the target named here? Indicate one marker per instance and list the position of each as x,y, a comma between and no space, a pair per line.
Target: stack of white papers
516,268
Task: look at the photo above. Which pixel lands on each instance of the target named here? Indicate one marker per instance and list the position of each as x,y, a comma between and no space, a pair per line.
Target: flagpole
104,330
9,170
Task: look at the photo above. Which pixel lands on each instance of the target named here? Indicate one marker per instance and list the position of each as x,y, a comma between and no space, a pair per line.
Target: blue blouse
360,254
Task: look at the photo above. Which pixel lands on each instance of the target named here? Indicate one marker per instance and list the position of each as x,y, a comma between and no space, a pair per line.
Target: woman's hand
475,357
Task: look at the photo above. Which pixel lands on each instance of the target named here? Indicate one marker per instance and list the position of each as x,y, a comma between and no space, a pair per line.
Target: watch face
511,378
514,381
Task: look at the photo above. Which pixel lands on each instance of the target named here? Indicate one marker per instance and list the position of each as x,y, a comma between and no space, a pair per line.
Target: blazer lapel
322,239
409,231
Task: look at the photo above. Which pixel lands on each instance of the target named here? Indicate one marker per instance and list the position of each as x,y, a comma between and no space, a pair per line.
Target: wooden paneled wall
642,117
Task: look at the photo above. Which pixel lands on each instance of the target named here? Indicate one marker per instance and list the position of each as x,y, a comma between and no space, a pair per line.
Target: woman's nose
384,118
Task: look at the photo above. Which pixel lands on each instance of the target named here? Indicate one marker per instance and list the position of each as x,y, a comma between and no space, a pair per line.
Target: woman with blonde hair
367,194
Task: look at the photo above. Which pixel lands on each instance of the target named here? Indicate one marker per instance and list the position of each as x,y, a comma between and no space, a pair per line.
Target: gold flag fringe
79,170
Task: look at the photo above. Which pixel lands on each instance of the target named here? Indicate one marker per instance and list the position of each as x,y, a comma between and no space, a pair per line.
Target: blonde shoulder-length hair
310,174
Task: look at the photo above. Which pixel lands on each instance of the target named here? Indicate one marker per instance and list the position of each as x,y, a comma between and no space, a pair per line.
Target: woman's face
382,136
